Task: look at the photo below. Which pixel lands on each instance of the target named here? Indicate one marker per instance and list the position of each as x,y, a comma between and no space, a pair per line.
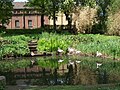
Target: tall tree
53,8
67,7
6,8
40,6
114,6
48,7
103,8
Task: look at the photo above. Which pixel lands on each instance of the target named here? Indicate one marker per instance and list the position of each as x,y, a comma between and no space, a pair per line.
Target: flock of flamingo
71,51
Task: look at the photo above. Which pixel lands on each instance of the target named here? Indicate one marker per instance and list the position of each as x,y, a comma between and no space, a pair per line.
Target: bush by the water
14,46
51,42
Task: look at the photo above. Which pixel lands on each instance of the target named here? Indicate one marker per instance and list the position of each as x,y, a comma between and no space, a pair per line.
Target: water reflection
60,71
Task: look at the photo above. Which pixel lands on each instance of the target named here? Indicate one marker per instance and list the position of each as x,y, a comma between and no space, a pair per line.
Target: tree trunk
42,20
54,17
42,15
24,19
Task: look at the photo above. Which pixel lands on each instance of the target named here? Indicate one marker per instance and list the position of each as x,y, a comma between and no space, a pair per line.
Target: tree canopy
51,7
6,8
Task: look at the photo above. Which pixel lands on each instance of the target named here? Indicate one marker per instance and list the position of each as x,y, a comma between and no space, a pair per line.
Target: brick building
28,18
25,17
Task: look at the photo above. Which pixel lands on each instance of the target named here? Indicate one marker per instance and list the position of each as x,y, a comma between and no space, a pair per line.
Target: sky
20,0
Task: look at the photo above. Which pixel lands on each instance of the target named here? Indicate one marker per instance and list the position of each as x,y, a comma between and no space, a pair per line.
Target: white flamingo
78,61
71,50
77,52
60,60
32,54
60,50
98,54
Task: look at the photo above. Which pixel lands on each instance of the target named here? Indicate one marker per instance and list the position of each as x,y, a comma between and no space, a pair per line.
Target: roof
19,5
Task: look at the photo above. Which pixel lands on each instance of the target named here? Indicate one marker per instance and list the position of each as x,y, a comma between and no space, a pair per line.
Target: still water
60,70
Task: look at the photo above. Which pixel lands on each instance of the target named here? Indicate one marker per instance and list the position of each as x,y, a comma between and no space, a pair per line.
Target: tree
114,6
54,7
113,23
48,7
103,9
67,7
102,13
6,8
40,6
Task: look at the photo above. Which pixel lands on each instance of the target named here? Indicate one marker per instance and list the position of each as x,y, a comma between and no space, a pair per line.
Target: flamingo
60,50
71,50
98,54
60,60
32,54
78,61
78,52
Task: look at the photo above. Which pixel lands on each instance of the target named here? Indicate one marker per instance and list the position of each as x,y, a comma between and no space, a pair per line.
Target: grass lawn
78,87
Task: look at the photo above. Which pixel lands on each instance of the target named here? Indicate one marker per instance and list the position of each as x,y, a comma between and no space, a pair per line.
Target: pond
60,70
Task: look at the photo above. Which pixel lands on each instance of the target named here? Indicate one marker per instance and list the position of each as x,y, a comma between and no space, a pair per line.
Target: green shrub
51,42
14,46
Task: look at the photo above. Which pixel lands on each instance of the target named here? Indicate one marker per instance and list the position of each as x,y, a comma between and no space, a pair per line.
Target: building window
14,12
18,12
30,24
17,24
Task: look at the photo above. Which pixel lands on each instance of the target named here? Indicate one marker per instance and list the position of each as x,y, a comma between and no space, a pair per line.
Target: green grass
78,87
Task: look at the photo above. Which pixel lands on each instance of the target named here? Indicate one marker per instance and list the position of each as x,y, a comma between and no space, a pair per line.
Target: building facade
29,18
25,17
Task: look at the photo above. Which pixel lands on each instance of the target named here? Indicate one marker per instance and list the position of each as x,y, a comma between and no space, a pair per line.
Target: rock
2,78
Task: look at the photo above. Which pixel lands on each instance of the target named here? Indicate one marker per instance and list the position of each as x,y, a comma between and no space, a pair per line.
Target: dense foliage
104,9
14,46
51,42
6,8
84,19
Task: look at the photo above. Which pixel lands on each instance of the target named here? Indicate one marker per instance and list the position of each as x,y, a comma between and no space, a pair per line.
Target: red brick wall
36,21
12,22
